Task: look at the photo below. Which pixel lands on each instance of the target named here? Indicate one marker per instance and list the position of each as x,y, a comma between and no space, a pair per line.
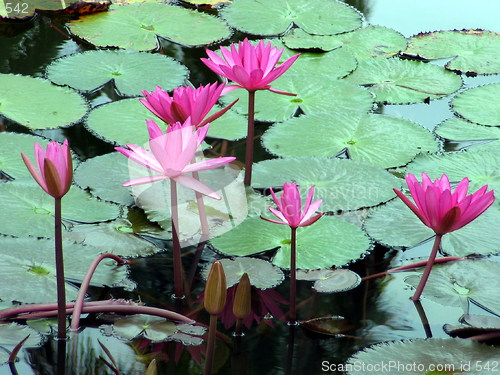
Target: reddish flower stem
428,268
202,212
212,329
411,266
486,336
75,318
293,276
61,285
177,261
250,138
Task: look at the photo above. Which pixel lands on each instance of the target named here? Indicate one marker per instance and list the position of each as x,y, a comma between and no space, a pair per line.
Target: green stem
250,138
178,287
428,268
61,287
293,277
212,329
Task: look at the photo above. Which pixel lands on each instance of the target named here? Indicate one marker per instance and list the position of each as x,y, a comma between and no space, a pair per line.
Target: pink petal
412,207
279,215
208,164
311,220
145,180
273,221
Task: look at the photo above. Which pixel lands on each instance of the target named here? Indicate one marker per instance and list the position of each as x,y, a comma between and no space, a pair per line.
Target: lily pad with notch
130,71
382,140
269,17
38,104
396,81
342,184
328,242
137,26
473,51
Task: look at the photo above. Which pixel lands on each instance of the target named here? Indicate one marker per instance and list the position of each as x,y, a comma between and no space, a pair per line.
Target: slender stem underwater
250,138
202,212
428,268
177,261
293,276
61,287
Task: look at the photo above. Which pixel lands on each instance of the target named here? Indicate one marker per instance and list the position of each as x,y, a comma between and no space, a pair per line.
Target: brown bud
215,290
243,298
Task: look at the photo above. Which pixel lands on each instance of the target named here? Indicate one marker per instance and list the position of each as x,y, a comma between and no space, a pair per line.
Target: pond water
378,310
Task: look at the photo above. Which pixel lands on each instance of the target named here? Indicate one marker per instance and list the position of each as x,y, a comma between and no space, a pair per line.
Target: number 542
20,8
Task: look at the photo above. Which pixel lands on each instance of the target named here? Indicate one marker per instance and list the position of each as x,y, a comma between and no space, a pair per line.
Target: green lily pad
230,126
474,51
136,27
328,242
394,224
459,129
314,95
11,146
430,356
261,273
331,281
481,168
398,81
28,271
342,184
29,211
157,329
115,237
12,334
369,42
108,186
268,17
38,104
479,104
130,71
453,284
382,140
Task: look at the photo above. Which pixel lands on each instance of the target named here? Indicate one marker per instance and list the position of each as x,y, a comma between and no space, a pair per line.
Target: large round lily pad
38,104
398,81
459,129
130,71
269,17
377,139
136,27
29,211
474,51
327,242
342,184
479,104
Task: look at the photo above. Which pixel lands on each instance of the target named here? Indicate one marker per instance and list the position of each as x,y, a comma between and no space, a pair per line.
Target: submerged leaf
38,104
131,72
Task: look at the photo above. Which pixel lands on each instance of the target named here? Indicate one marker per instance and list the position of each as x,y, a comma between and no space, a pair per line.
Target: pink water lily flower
185,102
55,168
290,210
441,209
172,154
251,67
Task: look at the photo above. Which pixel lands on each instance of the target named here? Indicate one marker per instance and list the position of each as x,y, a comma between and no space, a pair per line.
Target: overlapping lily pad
12,334
328,242
157,329
475,51
28,271
130,71
29,211
269,17
230,126
369,42
396,225
331,281
453,284
398,81
419,356
459,129
479,167
38,104
479,104
377,139
314,96
342,184
262,274
136,27
11,146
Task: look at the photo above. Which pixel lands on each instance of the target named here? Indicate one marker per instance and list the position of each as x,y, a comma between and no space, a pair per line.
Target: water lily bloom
251,67
185,102
290,210
171,156
441,209
55,168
